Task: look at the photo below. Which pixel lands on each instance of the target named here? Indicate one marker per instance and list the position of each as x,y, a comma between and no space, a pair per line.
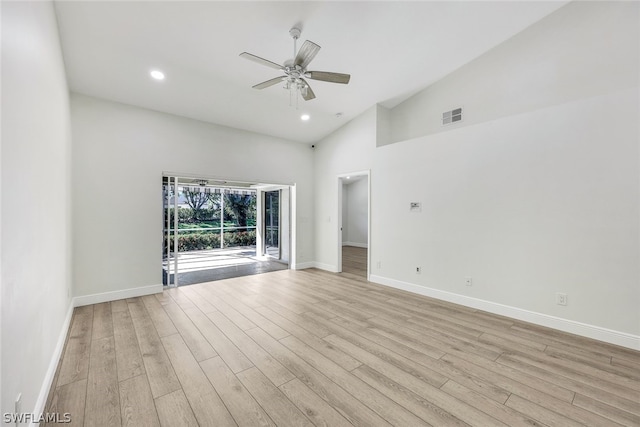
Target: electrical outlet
418,270
379,264
468,281
561,299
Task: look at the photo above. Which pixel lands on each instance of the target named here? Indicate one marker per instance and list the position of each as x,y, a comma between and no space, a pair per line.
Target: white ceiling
391,49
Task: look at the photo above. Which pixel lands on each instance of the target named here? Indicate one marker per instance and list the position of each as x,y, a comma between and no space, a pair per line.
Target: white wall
532,199
576,52
349,149
119,154
355,203
36,235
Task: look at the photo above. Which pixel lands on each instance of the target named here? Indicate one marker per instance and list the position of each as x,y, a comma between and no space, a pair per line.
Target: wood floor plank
506,414
243,407
352,409
75,360
205,402
301,319
232,356
269,366
179,298
240,320
372,398
409,360
602,365
119,305
275,403
428,411
136,403
540,413
522,389
607,411
267,325
572,372
593,369
518,382
428,391
321,346
569,341
160,374
443,340
174,410
69,399
388,339
102,323
373,352
196,342
317,410
102,407
354,260
164,325
628,405
128,357
437,320
164,298
196,299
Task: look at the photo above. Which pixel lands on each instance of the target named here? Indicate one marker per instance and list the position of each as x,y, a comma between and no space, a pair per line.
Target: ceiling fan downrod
295,33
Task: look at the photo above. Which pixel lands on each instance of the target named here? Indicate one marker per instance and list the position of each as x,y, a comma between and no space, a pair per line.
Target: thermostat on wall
415,207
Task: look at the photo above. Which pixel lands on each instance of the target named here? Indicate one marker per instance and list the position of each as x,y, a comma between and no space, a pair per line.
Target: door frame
259,186
287,209
342,179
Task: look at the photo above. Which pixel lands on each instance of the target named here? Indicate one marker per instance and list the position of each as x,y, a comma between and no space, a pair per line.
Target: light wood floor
354,261
313,348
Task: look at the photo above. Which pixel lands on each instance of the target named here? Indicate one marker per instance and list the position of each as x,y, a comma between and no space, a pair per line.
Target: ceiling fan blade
326,76
261,60
309,95
269,83
307,52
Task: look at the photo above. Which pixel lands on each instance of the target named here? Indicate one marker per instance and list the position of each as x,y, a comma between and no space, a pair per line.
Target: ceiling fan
295,70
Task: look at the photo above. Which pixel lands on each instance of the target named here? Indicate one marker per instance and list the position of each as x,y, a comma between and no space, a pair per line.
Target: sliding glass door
272,223
207,228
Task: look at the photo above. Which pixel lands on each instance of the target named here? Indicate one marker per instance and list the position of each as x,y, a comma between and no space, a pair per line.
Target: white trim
116,295
326,267
341,181
303,265
53,365
355,244
590,331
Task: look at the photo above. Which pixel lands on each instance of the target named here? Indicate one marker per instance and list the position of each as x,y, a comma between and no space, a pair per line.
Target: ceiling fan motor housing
295,32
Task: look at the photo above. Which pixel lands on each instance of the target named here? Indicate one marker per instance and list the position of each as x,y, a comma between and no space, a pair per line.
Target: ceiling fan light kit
295,71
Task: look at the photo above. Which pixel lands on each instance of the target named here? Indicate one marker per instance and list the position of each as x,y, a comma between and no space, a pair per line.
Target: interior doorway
214,229
354,220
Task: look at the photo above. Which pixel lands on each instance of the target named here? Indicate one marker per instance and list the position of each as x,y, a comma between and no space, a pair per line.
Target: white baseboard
116,295
303,265
53,365
355,244
326,267
590,331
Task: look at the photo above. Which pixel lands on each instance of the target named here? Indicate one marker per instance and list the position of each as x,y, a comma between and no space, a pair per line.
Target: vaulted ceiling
391,49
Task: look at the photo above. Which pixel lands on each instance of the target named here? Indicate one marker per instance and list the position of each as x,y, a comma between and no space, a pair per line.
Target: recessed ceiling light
157,74
305,117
